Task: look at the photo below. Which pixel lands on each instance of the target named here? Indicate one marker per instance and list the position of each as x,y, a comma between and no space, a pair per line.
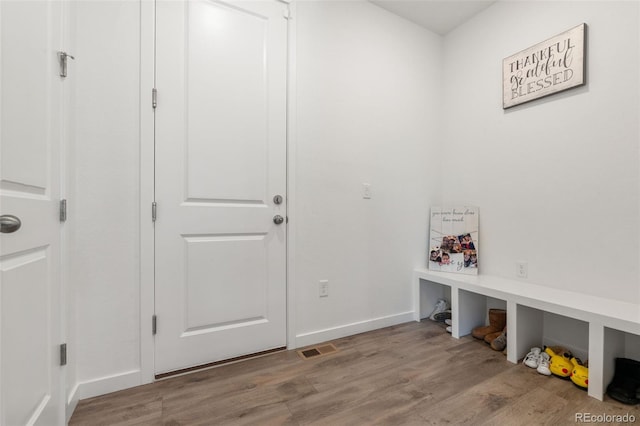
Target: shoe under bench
594,328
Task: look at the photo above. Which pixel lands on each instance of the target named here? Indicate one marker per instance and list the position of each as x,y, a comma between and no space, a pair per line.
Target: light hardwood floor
410,374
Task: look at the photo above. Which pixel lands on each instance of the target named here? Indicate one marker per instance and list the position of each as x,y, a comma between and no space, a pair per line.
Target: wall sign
552,66
453,240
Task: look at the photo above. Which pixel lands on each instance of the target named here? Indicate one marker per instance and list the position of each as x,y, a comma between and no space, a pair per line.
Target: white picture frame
453,240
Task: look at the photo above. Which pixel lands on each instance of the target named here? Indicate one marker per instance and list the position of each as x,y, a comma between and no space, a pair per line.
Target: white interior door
220,160
29,190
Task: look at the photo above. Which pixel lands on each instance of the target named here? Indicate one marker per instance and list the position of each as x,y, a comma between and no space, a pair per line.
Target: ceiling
439,16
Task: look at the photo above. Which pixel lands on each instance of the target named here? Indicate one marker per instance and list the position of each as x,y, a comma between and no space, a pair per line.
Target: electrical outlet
522,269
324,288
366,191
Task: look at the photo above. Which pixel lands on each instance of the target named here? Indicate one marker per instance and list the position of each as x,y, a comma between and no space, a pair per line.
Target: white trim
73,396
107,384
306,339
3,411
147,187
67,290
589,76
71,403
291,176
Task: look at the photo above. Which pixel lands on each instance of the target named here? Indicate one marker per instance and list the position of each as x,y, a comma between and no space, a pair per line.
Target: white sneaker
441,306
543,365
533,358
441,316
449,329
448,321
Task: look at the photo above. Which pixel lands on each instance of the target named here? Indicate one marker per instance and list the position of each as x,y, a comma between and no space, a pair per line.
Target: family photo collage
453,240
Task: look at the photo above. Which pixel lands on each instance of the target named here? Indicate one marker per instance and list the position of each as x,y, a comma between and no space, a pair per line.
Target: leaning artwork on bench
453,240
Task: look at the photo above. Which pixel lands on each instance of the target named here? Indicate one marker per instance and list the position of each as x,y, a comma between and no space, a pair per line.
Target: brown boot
497,321
500,342
489,338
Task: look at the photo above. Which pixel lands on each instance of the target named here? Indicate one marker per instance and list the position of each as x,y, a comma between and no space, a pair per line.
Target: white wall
556,179
103,218
368,92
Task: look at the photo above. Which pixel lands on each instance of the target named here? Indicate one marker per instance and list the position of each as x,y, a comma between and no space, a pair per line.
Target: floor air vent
317,351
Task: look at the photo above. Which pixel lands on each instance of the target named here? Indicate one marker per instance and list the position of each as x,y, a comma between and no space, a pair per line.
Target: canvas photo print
453,240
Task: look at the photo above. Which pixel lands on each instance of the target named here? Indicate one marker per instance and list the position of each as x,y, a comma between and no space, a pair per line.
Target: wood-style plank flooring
410,374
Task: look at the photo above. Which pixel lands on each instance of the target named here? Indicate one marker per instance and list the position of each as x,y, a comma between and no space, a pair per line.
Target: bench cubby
535,327
472,311
429,295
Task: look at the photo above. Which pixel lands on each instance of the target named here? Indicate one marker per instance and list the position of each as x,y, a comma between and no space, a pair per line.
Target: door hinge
154,98
154,211
287,14
63,210
63,354
154,325
62,61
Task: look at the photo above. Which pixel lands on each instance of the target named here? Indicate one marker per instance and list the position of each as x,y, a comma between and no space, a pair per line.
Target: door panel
220,159
227,134
224,258
24,275
27,64
29,189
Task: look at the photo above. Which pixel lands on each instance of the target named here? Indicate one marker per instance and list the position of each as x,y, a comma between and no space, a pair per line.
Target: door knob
277,219
9,224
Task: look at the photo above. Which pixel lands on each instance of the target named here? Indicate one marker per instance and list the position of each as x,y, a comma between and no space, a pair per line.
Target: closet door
220,165
30,123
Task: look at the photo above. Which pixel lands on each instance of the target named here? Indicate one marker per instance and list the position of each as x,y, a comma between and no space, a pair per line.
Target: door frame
147,189
147,184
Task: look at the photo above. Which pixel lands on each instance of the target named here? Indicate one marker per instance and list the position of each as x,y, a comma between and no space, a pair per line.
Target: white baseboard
319,336
108,384
72,403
